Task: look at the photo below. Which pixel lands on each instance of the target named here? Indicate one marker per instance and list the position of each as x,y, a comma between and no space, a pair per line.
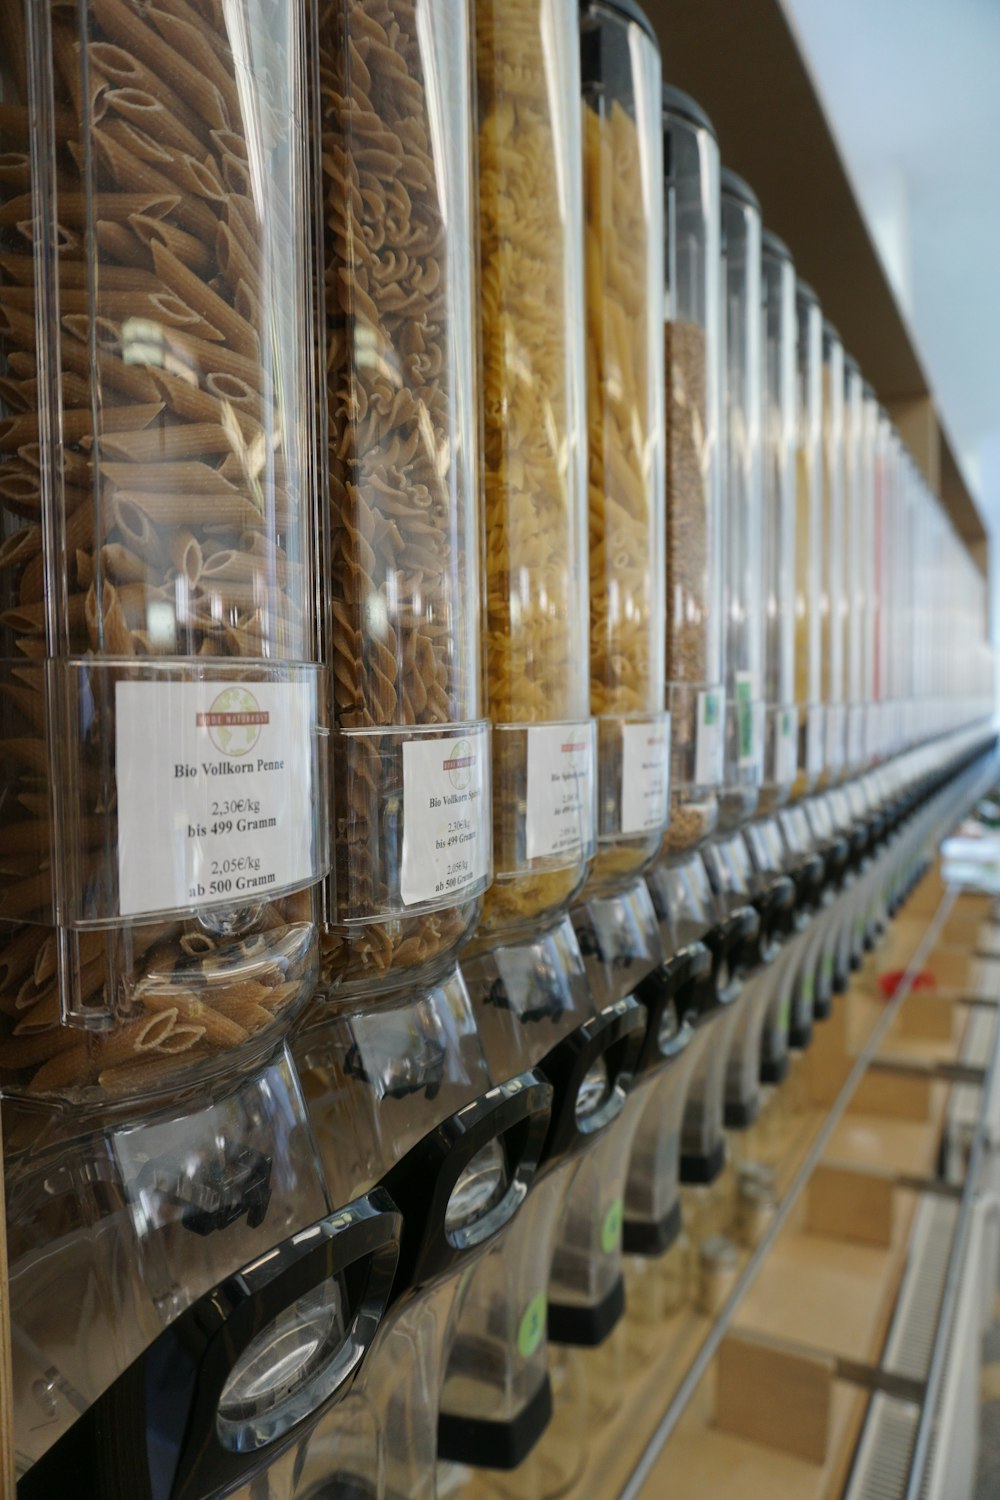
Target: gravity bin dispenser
525,971
186,1298
401,1095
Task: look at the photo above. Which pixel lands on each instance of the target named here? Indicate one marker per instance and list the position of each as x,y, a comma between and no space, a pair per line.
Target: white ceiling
912,92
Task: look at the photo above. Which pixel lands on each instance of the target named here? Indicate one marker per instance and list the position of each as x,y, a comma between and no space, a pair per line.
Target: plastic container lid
770,244
629,10
734,186
676,102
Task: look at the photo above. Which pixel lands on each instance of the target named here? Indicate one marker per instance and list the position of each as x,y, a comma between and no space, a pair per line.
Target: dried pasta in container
411,837
160,704
808,538
623,208
536,626
742,547
833,601
857,503
695,695
780,413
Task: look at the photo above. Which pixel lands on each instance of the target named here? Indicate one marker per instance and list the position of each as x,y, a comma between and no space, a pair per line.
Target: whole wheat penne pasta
108,205
15,169
197,405
185,554
245,1013
28,897
137,529
17,956
180,441
196,943
135,1038
16,395
133,175
41,1016
136,141
203,357
18,326
29,703
143,109
190,40
31,647
234,262
108,626
199,178
19,1052
66,242
120,242
125,27
20,492
237,333
230,143
173,507
146,1072
20,546
22,364
123,565
105,332
217,1029
29,619
186,474
70,1067
32,582
190,251
280,996
75,275
240,566
134,381
245,992
176,314
121,68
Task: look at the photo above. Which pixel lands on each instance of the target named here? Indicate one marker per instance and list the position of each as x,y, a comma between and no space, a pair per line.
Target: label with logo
645,775
814,742
215,792
532,1326
446,815
708,744
560,816
746,737
786,746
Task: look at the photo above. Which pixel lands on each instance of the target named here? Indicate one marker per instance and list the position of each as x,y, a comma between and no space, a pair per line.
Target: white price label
446,816
215,792
786,746
709,739
560,816
645,775
814,742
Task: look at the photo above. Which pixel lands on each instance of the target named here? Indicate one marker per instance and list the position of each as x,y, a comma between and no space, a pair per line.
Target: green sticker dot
611,1229
532,1326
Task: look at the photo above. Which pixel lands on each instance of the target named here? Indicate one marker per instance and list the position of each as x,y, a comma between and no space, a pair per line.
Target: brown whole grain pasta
402,456
183,318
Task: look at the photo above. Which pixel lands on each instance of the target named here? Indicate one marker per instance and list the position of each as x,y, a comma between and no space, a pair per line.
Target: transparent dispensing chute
411,839
832,597
743,502
781,752
623,209
883,582
161,730
809,538
695,694
536,625
856,506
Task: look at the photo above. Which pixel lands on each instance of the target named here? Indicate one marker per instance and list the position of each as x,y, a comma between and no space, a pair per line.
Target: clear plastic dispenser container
411,763
524,968
868,545
809,538
857,506
694,471
400,1090
742,502
833,601
779,432
162,750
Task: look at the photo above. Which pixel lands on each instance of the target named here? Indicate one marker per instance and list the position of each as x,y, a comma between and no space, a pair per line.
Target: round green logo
611,1229
532,1326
